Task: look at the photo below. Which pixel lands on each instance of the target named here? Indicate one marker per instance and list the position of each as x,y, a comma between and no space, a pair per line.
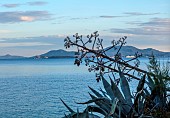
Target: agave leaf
114,105
140,104
120,109
137,97
167,88
103,92
150,82
119,95
146,92
104,105
141,83
116,91
77,112
92,96
81,115
93,116
67,116
95,99
125,87
72,112
95,92
90,101
94,108
108,88
156,81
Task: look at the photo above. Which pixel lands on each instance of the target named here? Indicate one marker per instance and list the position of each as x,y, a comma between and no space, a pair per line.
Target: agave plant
150,98
158,82
115,102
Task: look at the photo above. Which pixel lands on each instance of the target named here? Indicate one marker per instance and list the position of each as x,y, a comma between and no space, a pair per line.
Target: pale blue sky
30,27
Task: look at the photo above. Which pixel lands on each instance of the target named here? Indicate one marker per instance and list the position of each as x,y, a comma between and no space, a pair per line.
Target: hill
8,56
130,50
57,54
125,51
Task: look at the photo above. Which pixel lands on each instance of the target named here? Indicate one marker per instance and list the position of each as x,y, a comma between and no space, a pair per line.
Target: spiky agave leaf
125,87
90,101
137,97
108,88
77,112
114,105
85,114
94,108
116,91
146,92
103,92
103,105
118,94
67,116
150,82
72,112
103,99
141,102
95,92
168,89
141,83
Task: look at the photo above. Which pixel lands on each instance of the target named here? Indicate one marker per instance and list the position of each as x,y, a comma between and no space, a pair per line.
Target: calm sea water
32,88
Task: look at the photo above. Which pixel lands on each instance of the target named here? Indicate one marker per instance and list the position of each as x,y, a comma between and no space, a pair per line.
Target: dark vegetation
150,100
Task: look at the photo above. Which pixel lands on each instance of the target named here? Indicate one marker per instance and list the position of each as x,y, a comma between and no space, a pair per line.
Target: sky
30,27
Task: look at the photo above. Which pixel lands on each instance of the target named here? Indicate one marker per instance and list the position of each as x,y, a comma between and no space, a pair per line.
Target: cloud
37,3
52,39
27,16
157,22
104,16
23,44
143,31
139,13
11,5
14,5
154,33
128,14
29,46
156,26
5,31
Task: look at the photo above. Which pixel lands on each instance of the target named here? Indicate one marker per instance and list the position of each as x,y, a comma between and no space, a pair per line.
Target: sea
32,88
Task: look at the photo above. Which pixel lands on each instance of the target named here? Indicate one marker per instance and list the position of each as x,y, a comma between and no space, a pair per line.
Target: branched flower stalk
95,56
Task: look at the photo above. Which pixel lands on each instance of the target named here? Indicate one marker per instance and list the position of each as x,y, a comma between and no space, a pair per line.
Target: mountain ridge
8,56
125,51
131,50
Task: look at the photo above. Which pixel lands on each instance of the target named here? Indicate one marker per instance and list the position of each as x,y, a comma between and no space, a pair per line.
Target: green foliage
161,72
158,81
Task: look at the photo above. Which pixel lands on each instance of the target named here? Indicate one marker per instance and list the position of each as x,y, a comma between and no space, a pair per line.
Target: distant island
57,54
8,56
126,51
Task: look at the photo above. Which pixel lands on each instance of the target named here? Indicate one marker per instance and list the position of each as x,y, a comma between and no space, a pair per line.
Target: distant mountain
130,50
125,51
8,56
57,54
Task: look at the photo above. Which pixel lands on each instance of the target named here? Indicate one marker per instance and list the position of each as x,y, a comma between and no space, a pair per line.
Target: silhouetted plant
159,77
150,98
